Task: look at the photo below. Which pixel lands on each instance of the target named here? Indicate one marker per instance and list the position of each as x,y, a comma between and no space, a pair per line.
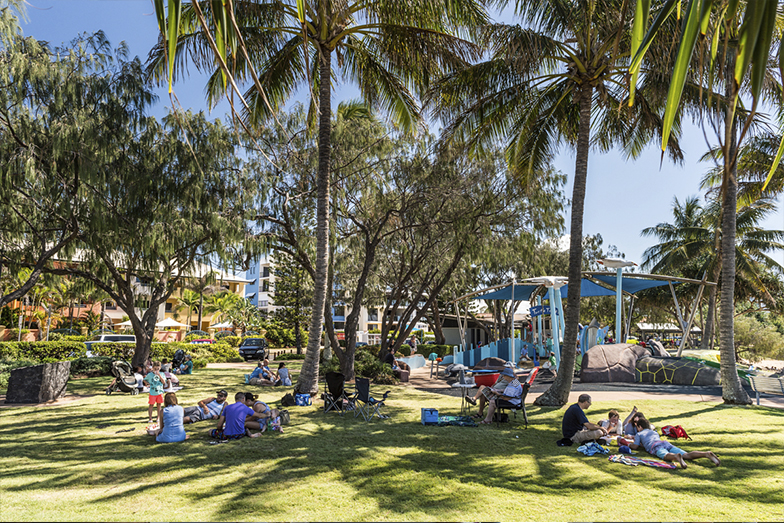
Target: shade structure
168,322
521,292
632,285
224,325
126,323
588,289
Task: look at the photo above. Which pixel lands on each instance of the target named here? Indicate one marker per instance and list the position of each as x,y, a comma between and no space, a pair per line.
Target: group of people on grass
235,420
262,375
577,429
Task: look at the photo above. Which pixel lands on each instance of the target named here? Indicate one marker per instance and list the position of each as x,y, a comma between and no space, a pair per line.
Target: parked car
253,348
360,344
108,338
202,341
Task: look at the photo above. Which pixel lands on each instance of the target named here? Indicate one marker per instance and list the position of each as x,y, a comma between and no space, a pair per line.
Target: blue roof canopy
630,284
521,292
587,290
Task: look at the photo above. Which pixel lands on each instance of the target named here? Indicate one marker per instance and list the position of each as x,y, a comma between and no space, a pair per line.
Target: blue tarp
631,285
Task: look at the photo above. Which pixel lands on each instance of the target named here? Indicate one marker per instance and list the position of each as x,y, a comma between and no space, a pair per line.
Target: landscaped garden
92,460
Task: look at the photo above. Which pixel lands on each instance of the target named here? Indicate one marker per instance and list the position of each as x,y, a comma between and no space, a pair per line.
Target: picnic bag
674,432
285,418
288,400
302,400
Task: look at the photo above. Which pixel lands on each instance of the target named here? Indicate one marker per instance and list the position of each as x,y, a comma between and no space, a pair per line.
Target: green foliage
120,351
80,339
224,352
196,336
279,334
290,357
755,340
200,363
233,341
9,317
367,365
441,350
101,366
41,350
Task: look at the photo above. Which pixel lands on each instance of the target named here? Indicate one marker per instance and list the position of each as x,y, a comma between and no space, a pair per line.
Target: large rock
611,363
656,348
676,371
39,383
491,363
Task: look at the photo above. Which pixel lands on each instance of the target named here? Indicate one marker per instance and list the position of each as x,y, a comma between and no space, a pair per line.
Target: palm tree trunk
558,393
201,308
731,390
307,383
709,333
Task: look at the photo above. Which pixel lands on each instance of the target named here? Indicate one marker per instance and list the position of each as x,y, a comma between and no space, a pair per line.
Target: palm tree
204,285
191,300
689,243
549,83
384,46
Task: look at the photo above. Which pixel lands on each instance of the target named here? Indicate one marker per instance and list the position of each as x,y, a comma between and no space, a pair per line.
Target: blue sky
623,197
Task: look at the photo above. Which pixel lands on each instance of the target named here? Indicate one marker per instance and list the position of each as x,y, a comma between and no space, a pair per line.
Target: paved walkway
420,379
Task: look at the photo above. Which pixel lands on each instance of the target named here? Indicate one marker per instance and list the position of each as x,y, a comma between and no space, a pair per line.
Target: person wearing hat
485,394
511,394
210,408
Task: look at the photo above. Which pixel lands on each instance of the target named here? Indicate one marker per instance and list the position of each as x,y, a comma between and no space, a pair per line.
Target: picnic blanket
458,421
590,449
635,461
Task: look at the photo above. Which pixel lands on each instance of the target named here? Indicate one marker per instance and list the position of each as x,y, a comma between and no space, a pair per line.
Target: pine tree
293,295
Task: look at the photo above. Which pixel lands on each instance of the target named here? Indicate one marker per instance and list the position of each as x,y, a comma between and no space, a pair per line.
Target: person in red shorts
157,383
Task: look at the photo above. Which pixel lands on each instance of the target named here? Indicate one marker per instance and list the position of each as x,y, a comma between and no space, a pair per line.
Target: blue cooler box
429,416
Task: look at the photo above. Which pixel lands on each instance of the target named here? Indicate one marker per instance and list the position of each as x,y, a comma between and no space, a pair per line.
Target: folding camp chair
337,397
501,405
366,405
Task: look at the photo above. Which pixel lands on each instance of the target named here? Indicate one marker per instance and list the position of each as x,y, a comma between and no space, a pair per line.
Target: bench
766,384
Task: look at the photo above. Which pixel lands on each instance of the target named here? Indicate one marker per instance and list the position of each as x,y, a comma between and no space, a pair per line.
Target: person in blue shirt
653,444
231,424
172,429
282,377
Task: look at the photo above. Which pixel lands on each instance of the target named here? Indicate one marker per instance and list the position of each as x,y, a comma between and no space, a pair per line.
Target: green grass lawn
56,464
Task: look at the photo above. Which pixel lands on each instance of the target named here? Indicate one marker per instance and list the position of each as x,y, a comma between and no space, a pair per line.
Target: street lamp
618,264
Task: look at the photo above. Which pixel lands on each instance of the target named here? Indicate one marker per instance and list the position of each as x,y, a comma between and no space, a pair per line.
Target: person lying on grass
485,393
209,408
231,424
649,439
510,397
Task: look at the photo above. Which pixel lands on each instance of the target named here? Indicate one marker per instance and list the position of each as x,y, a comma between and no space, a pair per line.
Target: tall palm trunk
307,383
731,390
709,333
558,393
201,308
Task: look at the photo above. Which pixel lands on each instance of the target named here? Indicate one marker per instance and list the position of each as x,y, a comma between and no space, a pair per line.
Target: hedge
41,350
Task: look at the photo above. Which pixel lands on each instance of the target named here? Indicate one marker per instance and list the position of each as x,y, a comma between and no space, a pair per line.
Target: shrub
441,350
201,352
367,365
199,363
233,341
165,351
224,353
41,350
196,336
290,357
80,339
101,366
117,350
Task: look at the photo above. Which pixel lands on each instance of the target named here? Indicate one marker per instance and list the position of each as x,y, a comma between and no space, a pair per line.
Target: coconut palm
204,285
550,83
191,301
386,47
689,244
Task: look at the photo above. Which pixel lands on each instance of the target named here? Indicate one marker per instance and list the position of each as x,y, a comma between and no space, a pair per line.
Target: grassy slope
56,464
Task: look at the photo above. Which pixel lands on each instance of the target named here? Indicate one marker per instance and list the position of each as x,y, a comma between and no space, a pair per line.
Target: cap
222,393
508,372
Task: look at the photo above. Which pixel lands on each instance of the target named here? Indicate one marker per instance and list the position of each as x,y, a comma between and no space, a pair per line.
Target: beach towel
635,461
457,421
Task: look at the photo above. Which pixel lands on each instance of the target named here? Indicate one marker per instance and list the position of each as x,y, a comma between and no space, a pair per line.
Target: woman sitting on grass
282,377
172,429
259,407
665,450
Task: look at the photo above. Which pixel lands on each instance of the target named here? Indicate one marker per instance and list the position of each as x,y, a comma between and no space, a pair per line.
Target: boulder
491,363
39,383
676,371
611,363
656,348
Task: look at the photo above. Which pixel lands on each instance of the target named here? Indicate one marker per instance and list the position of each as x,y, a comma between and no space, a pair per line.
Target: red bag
668,431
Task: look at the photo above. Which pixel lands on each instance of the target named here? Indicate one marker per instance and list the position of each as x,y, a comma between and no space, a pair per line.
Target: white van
109,338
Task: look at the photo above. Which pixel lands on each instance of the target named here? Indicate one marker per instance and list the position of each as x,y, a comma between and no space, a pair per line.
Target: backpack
288,400
285,417
668,431
302,400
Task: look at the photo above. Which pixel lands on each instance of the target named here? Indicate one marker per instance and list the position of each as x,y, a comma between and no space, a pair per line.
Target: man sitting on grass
653,444
231,424
575,425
